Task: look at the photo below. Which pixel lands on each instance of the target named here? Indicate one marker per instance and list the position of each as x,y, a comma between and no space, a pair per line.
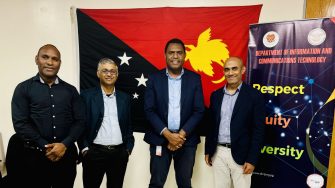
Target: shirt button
53,106
54,127
55,137
53,116
51,95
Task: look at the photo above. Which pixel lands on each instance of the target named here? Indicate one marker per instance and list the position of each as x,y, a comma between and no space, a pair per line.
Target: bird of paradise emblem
207,52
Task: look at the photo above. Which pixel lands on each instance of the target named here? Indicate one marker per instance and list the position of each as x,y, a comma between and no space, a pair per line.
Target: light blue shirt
174,101
227,108
109,132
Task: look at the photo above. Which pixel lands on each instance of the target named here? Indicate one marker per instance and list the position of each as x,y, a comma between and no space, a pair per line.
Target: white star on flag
124,59
135,96
141,81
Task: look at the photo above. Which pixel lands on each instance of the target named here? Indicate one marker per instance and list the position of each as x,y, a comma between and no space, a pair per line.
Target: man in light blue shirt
228,103
109,138
174,101
236,129
174,106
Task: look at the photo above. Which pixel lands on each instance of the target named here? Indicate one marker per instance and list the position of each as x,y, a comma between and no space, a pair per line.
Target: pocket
88,154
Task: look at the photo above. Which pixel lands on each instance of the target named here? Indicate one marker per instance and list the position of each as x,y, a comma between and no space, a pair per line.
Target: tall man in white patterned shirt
109,138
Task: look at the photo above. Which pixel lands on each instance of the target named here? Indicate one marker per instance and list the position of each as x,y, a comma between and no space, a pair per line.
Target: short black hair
174,41
48,46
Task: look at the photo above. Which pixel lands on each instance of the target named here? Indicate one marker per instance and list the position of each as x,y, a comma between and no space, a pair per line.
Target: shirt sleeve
78,125
22,122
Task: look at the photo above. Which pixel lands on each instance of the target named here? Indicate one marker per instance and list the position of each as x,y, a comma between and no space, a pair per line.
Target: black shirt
43,114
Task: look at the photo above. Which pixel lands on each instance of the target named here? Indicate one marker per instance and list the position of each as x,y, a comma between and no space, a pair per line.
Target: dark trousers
100,160
183,165
40,172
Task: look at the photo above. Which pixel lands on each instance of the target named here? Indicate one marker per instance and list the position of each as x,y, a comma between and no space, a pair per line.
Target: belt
108,147
227,145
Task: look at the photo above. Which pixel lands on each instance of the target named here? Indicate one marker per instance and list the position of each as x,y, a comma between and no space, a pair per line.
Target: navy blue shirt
44,114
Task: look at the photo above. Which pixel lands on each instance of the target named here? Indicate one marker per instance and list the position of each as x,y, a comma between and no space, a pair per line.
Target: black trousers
100,160
183,164
40,172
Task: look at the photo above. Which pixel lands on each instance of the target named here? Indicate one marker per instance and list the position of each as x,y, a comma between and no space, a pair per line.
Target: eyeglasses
111,71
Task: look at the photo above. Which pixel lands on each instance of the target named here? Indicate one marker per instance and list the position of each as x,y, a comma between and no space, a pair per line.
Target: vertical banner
135,39
293,64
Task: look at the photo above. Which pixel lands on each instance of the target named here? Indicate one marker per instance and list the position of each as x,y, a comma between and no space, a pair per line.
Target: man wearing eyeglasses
108,140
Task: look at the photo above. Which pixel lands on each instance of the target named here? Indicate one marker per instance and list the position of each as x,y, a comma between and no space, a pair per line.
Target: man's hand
182,134
55,151
172,147
248,168
175,139
84,153
208,160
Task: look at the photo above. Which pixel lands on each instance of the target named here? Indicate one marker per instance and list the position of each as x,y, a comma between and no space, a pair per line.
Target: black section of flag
95,42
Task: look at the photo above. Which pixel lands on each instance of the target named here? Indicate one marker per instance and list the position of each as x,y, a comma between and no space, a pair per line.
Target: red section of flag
332,19
147,31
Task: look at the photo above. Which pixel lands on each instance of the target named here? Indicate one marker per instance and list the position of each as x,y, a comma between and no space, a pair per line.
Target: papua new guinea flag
135,39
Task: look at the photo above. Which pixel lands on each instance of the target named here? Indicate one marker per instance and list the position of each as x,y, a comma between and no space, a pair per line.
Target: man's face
48,62
175,57
233,70
107,74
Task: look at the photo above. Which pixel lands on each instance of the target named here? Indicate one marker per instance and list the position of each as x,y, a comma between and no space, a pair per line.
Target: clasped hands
176,140
55,151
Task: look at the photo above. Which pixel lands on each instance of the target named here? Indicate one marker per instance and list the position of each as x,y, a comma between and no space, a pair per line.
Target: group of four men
50,116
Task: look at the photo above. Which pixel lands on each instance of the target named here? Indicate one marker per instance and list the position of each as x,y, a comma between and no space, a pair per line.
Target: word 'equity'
277,120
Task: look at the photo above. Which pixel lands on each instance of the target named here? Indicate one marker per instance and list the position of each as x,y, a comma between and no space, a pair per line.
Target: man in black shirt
48,114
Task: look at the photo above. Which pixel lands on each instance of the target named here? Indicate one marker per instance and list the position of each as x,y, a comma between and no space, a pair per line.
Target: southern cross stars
124,59
141,80
135,96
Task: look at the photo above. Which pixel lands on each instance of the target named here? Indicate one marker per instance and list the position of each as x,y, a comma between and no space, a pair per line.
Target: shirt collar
105,95
39,78
238,89
177,78
56,81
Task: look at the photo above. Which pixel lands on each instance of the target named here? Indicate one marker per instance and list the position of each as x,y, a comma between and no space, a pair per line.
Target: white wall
25,25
